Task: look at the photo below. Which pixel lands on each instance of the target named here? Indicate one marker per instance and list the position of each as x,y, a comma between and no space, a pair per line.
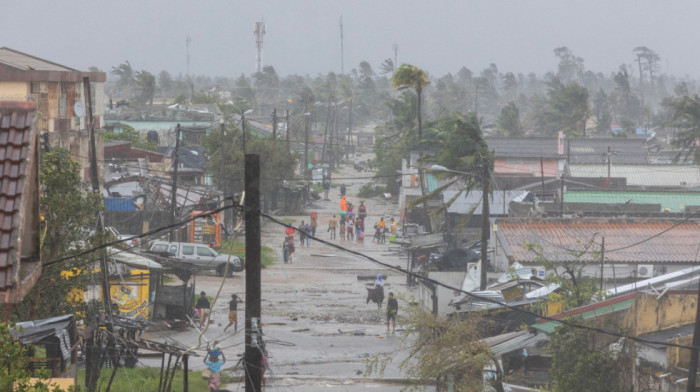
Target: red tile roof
626,240
15,149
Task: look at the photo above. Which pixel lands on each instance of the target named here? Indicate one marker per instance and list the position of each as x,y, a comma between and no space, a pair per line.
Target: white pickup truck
200,255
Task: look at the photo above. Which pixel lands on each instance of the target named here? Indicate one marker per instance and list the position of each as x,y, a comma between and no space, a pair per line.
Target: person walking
392,308
342,190
302,234
393,226
233,313
314,223
203,307
350,229
326,188
362,210
332,226
307,230
342,227
359,229
343,203
214,364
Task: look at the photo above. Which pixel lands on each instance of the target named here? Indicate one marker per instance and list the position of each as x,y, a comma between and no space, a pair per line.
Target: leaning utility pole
173,185
94,368
485,224
253,351
274,124
287,120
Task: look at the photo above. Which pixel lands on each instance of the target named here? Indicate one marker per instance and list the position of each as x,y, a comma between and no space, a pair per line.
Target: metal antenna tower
259,33
342,60
188,39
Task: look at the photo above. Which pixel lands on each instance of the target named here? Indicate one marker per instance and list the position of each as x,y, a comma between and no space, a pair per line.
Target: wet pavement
317,327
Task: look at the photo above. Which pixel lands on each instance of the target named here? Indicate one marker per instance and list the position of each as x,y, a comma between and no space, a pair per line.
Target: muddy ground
318,328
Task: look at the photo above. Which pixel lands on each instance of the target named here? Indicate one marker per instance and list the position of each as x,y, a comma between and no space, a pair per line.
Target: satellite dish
79,109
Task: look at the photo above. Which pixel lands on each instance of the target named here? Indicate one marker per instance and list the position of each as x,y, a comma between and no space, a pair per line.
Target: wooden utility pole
94,368
325,132
253,355
287,119
561,197
542,175
602,261
274,124
485,225
306,145
173,189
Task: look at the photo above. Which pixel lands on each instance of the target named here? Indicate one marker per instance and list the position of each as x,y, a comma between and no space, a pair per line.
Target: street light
485,218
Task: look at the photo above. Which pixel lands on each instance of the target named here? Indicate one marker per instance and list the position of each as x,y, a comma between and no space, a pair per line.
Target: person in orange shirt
343,204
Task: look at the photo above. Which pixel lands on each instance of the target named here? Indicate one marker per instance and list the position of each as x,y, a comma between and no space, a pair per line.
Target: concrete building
56,89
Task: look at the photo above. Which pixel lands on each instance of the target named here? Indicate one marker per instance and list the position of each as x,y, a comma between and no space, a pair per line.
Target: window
35,87
188,250
202,251
173,249
160,248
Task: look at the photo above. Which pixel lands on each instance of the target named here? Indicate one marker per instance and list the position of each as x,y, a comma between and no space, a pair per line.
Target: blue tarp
119,204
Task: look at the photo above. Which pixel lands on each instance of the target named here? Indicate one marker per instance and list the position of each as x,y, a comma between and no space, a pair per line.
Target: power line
476,296
398,269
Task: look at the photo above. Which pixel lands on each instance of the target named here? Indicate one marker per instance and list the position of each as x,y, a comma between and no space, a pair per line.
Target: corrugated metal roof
670,201
524,147
27,62
550,326
666,335
595,150
657,240
643,175
471,201
15,151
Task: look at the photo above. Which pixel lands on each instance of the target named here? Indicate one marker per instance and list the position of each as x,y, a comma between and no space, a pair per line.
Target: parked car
200,255
129,239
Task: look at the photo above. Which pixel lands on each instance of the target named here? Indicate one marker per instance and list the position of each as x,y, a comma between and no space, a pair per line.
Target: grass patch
238,249
143,379
286,221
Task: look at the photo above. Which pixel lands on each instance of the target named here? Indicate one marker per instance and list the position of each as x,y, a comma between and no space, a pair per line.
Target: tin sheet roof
670,201
643,175
27,62
626,240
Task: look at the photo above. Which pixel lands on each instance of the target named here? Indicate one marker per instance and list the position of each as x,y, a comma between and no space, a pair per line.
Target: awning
36,330
132,259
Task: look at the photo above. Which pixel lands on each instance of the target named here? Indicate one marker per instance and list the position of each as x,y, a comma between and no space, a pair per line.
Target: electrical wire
476,296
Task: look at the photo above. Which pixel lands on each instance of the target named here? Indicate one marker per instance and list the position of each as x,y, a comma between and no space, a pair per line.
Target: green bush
370,189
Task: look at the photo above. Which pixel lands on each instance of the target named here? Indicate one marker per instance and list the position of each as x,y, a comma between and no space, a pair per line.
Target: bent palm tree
409,76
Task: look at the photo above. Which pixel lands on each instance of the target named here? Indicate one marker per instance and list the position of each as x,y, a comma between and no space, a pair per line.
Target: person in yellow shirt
381,224
393,227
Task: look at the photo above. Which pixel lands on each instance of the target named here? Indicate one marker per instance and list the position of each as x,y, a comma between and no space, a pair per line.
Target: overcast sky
303,36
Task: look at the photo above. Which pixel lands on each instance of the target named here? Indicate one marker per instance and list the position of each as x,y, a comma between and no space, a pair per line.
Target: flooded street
317,326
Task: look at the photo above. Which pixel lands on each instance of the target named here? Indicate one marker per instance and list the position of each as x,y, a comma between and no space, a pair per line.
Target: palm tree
125,74
409,76
146,83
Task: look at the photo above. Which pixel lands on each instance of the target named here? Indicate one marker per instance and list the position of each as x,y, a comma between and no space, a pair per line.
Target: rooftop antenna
342,60
188,39
259,33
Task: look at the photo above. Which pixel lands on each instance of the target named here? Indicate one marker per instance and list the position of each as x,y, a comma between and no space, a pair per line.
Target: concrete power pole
253,350
259,34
